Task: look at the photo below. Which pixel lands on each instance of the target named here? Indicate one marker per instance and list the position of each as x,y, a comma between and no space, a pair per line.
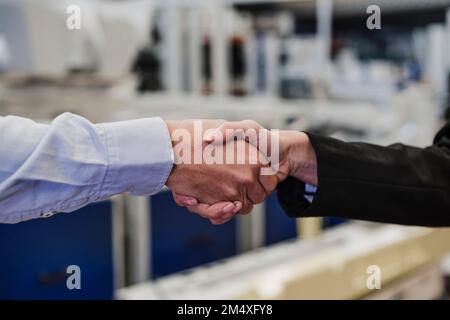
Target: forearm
397,184
72,162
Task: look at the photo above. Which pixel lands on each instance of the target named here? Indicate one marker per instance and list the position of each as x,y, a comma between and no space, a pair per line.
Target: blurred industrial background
292,64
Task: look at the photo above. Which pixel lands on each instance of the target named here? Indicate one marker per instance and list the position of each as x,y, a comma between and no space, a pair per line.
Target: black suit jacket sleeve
395,184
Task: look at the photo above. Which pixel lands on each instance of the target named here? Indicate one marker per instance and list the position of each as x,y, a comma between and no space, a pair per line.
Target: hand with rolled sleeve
72,162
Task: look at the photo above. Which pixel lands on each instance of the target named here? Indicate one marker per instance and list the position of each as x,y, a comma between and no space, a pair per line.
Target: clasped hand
221,170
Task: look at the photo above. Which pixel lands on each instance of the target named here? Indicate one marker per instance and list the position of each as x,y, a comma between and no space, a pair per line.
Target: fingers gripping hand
272,145
217,213
245,130
240,186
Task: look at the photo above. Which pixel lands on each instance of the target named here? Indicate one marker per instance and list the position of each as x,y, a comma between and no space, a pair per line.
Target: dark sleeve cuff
394,184
291,192
291,197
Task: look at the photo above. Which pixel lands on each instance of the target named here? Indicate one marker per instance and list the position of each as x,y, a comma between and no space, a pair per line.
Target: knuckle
215,222
178,203
247,209
226,125
232,194
252,123
259,198
176,199
216,215
248,180
191,210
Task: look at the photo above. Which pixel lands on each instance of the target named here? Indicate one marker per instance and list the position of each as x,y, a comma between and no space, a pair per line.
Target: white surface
265,271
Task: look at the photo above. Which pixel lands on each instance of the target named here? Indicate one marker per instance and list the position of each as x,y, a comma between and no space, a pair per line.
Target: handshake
222,169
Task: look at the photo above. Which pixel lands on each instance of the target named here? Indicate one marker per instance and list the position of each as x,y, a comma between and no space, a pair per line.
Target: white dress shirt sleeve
61,167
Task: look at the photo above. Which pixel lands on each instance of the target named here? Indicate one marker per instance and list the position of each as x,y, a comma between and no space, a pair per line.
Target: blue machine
278,226
34,255
182,240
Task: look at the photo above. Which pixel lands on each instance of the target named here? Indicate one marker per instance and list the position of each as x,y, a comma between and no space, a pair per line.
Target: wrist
172,125
300,156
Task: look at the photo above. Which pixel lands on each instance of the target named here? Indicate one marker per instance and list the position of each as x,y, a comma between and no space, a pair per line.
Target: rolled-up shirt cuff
140,156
